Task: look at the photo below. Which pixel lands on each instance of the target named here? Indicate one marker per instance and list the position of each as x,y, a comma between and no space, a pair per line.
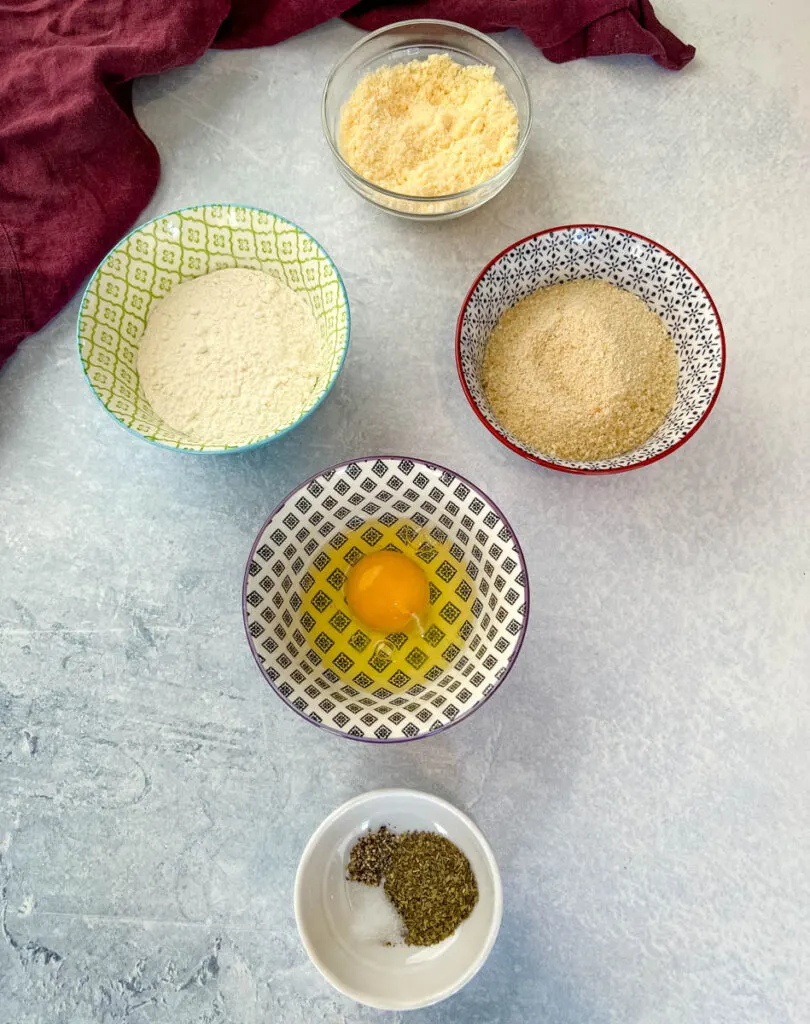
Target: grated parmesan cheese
429,127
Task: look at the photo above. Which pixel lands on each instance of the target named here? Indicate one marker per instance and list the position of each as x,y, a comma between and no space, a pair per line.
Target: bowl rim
494,874
238,448
545,462
509,167
518,640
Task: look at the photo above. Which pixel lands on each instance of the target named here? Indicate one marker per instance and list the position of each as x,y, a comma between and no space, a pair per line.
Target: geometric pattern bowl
307,536
145,266
637,265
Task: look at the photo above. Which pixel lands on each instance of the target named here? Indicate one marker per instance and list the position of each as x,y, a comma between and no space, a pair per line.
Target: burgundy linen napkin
76,170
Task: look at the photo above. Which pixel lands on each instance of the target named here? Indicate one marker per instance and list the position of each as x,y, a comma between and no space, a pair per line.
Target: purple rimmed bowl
307,537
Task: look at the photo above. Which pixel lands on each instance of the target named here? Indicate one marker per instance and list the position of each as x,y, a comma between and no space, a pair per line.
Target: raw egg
387,591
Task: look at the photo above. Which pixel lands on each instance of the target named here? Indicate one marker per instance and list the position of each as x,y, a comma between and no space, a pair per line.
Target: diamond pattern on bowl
306,532
631,262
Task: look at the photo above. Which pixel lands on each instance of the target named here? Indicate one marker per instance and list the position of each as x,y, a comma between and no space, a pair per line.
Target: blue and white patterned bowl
632,262
307,534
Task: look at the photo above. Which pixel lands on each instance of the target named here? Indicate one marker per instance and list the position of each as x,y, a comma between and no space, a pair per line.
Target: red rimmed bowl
632,262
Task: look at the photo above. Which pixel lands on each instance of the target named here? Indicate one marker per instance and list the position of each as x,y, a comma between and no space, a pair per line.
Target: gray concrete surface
643,775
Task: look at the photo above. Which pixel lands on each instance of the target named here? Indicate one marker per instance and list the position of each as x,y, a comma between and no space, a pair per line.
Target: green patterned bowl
152,259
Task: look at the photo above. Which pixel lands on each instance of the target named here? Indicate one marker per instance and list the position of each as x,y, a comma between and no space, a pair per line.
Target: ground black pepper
371,855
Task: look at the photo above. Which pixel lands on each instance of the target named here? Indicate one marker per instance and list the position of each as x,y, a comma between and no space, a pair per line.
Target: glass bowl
417,40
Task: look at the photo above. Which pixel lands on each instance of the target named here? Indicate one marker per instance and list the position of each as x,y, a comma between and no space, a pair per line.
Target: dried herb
431,883
371,855
426,877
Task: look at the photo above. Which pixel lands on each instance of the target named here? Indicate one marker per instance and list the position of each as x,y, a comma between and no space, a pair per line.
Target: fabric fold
76,170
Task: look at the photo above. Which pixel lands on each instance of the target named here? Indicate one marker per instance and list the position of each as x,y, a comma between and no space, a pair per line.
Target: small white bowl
392,977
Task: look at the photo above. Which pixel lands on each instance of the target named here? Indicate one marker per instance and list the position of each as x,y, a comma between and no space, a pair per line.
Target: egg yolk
387,591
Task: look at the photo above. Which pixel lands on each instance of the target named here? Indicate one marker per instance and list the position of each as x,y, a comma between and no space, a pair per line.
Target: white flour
231,356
